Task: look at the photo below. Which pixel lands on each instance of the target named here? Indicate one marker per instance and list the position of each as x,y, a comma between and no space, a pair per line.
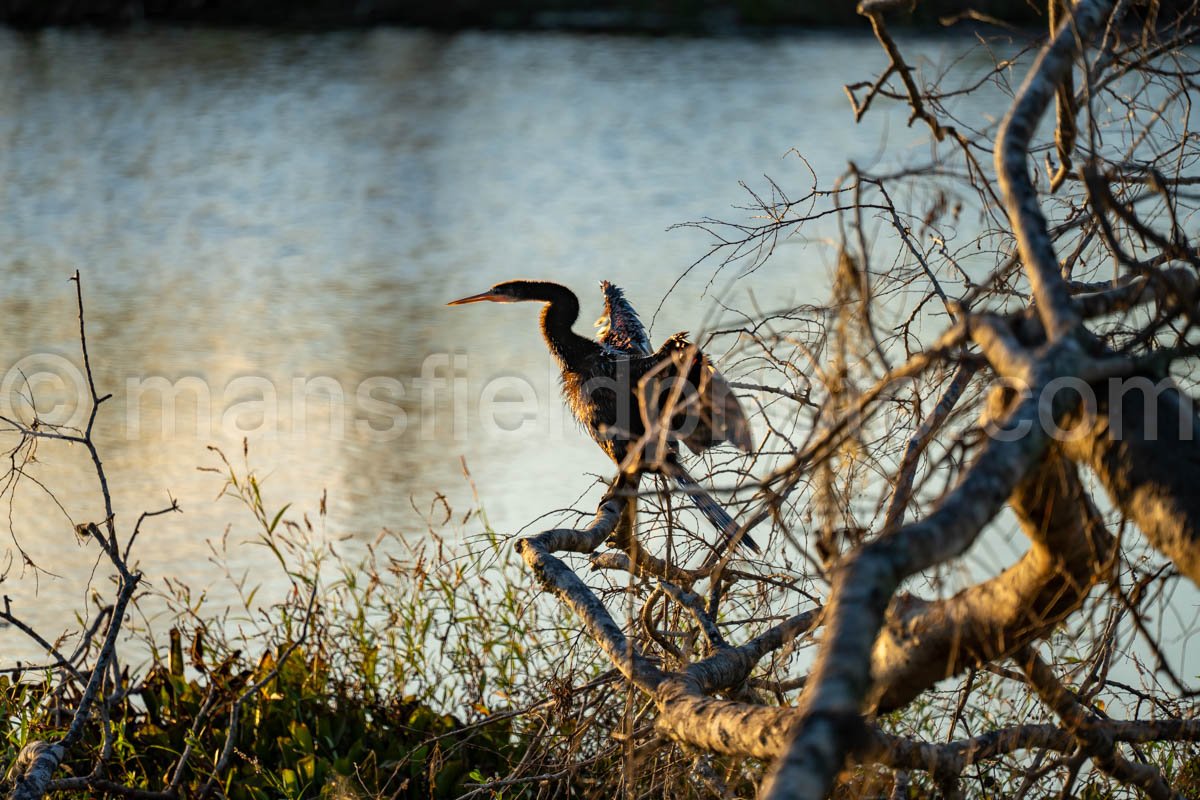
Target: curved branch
1053,64
560,579
1142,446
1071,552
831,725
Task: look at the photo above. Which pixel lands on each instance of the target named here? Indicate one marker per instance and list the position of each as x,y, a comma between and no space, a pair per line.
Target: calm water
251,210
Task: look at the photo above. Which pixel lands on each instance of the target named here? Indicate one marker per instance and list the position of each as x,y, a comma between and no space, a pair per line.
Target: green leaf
274,522
290,782
307,768
302,736
176,652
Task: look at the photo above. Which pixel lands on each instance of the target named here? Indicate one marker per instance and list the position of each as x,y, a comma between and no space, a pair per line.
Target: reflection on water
250,206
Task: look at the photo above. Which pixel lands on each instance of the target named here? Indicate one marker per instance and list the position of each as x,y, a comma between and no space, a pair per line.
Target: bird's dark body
603,385
591,375
599,382
592,396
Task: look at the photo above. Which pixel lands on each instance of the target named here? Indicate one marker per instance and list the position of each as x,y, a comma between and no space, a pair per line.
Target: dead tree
1013,338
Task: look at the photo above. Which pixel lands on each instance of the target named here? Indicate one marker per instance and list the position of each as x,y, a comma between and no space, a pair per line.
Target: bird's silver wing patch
619,327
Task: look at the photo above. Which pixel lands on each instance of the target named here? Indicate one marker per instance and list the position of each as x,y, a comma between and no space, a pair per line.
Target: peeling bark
34,768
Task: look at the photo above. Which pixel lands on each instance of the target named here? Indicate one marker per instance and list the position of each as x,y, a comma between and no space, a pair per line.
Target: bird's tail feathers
710,508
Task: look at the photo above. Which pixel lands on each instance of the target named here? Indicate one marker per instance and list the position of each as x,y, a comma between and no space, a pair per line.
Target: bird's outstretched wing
680,385
619,327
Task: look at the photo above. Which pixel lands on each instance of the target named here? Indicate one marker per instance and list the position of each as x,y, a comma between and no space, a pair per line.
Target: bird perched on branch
637,403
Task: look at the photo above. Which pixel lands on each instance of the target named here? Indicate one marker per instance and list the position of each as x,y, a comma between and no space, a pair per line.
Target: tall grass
415,669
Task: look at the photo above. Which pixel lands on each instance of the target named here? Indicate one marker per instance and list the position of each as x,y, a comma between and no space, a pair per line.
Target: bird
622,391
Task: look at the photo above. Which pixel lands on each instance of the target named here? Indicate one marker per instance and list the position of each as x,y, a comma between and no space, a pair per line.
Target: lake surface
264,220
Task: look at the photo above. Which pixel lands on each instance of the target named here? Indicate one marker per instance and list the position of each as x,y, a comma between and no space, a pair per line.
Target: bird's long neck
560,313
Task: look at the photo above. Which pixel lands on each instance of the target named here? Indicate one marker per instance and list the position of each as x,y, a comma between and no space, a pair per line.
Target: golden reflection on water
253,206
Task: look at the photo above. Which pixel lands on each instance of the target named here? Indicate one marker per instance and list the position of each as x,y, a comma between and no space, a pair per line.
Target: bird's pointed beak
480,298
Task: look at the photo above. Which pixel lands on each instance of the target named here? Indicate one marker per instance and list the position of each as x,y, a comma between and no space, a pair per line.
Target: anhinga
636,403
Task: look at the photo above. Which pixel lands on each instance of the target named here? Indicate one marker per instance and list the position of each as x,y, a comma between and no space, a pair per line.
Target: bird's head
507,292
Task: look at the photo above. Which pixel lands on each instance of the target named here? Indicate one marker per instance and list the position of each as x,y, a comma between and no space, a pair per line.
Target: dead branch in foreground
1046,375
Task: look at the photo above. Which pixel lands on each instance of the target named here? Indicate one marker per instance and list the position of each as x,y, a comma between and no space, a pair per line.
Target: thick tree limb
1142,446
831,725
688,714
953,757
1053,64
1071,551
